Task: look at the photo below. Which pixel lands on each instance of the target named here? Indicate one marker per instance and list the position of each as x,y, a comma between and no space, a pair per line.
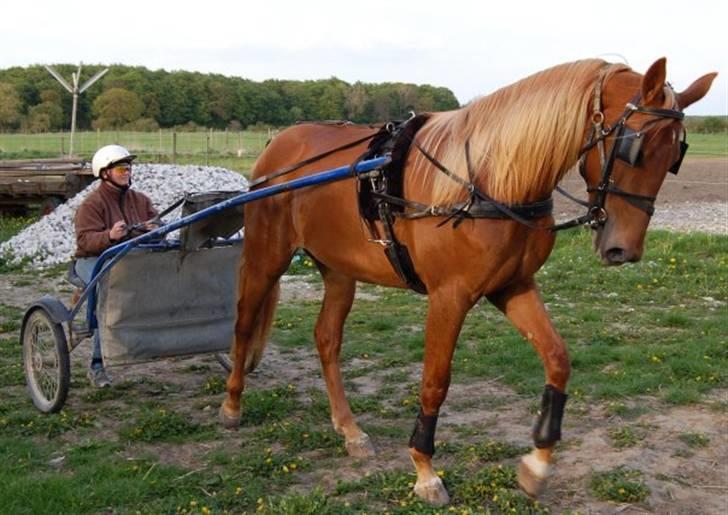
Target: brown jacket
101,210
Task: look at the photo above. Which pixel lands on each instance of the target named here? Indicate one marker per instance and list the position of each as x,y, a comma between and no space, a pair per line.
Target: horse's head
637,138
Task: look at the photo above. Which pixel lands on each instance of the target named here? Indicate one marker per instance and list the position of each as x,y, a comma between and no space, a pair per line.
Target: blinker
630,145
683,150
630,149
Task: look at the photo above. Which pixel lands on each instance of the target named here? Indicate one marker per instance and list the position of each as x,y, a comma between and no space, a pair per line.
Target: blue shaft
113,254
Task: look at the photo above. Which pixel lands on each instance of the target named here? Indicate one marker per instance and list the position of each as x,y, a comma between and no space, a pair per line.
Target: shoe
98,378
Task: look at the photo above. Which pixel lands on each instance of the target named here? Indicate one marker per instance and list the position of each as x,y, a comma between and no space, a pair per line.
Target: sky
470,47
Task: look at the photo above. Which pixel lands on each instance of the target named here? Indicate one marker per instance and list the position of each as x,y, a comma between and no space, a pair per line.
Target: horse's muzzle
615,256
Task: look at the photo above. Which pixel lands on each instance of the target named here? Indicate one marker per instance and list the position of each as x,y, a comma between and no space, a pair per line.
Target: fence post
174,147
63,150
159,157
207,149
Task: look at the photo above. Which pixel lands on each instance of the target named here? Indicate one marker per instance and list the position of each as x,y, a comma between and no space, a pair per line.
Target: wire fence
162,146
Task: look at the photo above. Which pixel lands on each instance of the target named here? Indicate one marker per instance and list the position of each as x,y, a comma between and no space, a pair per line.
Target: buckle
383,243
598,216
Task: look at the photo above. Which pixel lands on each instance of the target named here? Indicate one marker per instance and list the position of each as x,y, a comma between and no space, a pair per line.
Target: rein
292,168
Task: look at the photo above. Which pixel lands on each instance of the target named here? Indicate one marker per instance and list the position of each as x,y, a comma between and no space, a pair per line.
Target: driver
110,214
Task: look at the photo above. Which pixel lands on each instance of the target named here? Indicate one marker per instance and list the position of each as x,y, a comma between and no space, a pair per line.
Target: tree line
136,98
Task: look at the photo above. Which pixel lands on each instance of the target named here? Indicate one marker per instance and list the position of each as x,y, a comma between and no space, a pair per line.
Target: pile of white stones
52,240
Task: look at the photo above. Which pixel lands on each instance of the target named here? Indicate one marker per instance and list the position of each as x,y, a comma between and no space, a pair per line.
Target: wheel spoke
49,384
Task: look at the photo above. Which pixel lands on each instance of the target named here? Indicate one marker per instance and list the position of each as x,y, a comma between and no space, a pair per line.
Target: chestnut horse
521,141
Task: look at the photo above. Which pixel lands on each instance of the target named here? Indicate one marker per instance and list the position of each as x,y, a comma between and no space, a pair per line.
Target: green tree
190,99
116,107
45,116
9,106
712,125
221,104
356,102
332,99
39,121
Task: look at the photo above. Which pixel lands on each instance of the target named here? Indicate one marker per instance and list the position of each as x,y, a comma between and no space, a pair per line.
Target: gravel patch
709,217
51,240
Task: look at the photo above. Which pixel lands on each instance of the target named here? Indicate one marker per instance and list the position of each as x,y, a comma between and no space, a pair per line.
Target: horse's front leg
523,306
338,298
444,320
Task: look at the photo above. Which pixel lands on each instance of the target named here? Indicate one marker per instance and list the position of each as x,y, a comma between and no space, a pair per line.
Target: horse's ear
696,90
653,83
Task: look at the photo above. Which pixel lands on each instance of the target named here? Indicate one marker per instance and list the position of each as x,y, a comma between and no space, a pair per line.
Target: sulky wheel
45,360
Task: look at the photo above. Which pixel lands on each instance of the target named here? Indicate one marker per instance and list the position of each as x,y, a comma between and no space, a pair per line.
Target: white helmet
109,155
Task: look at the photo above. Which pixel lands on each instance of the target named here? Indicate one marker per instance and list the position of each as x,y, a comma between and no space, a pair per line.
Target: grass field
643,337
234,149
708,145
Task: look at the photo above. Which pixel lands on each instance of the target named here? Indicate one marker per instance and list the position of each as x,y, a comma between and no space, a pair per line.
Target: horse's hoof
228,421
360,447
432,491
530,483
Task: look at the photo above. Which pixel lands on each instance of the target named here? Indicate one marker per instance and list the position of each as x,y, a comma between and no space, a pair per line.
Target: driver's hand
118,231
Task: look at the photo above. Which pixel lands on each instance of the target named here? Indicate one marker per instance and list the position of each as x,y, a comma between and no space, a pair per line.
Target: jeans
84,268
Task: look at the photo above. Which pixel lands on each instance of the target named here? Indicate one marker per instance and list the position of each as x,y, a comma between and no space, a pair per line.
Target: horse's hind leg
523,306
445,317
260,271
338,298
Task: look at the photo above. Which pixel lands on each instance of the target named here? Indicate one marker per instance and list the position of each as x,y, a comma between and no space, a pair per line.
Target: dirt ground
682,479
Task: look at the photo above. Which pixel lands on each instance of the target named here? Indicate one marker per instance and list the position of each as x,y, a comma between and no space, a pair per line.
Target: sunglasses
122,167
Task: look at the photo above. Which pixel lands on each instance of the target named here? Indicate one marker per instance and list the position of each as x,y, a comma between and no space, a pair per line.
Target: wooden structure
44,182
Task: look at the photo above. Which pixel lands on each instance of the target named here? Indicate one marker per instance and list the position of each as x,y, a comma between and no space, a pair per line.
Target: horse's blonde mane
523,138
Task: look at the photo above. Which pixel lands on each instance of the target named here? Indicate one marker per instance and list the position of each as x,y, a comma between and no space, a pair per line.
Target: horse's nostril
616,256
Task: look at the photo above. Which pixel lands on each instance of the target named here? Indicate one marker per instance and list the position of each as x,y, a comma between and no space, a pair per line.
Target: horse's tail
261,329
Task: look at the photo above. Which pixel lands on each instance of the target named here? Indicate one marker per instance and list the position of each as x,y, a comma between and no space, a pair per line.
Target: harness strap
656,111
397,253
478,208
643,202
310,160
464,210
572,197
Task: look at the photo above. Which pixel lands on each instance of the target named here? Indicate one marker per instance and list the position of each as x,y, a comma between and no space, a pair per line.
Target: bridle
627,148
